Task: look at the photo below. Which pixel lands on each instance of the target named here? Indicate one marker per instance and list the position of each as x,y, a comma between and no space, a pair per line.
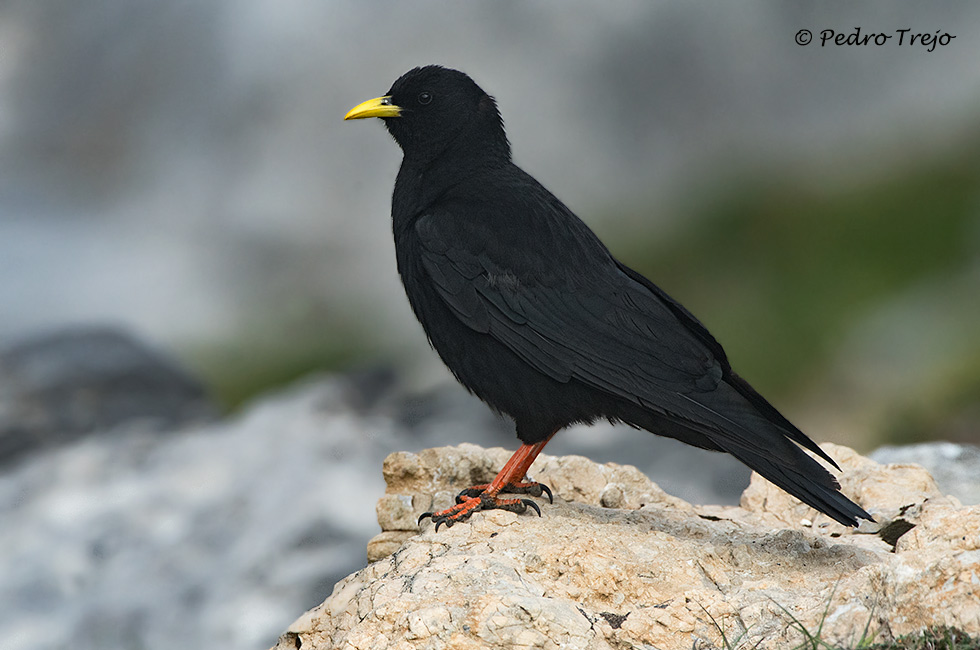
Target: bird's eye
425,97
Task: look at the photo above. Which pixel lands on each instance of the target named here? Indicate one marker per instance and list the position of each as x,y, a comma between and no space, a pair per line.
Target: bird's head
430,107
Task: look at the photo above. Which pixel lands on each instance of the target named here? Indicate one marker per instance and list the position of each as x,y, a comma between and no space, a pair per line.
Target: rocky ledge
617,563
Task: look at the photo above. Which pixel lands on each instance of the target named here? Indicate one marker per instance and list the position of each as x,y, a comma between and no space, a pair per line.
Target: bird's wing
601,325
587,320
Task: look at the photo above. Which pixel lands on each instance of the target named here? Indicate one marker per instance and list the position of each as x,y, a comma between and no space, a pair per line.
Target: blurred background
181,170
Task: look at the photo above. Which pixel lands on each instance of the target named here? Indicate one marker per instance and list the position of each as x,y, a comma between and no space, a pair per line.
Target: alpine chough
533,314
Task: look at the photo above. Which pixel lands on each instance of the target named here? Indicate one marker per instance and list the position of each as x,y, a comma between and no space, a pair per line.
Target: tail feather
736,424
806,480
776,418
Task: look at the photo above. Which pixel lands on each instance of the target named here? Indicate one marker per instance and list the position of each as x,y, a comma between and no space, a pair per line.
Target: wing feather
601,328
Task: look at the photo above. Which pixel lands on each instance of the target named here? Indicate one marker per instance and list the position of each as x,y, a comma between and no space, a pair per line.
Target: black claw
534,489
487,502
532,504
547,490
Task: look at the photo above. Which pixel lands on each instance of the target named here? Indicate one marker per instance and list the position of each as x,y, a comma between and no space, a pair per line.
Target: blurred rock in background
59,386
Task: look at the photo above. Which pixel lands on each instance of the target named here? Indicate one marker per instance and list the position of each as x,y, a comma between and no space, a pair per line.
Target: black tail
729,420
805,479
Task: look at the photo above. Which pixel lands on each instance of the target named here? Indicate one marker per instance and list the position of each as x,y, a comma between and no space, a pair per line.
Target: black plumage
532,313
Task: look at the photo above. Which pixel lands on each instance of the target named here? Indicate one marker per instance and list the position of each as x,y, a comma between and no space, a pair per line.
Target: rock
888,492
56,387
618,563
955,467
211,535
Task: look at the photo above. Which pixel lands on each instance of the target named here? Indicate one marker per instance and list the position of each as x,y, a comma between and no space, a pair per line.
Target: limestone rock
956,467
617,563
888,492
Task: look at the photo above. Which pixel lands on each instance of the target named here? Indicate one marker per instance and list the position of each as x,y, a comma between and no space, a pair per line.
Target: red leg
484,497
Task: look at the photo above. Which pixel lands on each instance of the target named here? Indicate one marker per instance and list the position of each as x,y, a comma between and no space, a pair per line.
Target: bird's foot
467,505
530,487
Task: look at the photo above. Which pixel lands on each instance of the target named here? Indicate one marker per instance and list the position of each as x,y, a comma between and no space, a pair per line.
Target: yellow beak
377,107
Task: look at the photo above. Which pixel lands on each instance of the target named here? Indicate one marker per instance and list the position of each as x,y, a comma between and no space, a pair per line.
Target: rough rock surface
955,467
618,563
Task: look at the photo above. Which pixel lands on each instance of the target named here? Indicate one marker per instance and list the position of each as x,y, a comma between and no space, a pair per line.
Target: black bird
533,314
